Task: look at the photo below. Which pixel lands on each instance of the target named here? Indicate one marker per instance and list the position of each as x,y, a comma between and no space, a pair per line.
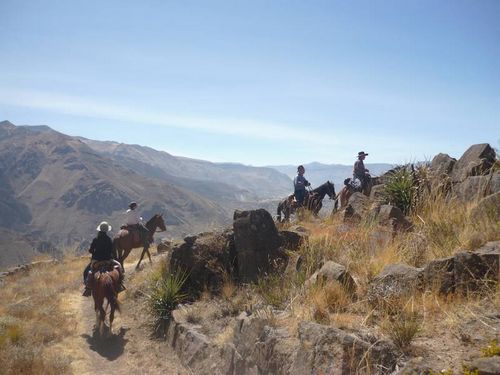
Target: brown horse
105,284
313,201
127,240
346,192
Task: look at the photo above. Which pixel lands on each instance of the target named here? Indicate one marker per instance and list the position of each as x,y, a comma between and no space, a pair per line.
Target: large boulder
293,239
485,366
257,243
393,217
439,275
395,283
331,271
477,271
329,350
356,208
488,209
377,193
206,258
442,165
476,161
477,187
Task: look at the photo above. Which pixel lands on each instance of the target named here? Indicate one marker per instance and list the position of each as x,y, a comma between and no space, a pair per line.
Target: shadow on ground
108,347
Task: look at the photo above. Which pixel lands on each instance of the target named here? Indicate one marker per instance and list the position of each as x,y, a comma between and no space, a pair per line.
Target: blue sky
258,82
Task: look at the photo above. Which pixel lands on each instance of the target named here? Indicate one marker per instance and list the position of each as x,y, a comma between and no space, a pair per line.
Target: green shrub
399,189
166,294
491,350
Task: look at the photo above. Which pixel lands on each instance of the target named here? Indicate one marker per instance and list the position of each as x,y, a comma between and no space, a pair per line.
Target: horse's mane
322,186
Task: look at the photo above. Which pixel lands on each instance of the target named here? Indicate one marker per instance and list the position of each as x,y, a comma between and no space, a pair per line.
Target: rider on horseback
361,176
300,183
134,221
101,250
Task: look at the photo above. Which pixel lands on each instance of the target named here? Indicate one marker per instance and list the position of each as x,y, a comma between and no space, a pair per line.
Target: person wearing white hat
101,249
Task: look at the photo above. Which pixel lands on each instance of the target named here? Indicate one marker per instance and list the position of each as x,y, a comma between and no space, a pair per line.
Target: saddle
104,266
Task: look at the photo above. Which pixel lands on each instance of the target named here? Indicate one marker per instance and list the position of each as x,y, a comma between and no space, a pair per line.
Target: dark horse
105,284
127,240
312,202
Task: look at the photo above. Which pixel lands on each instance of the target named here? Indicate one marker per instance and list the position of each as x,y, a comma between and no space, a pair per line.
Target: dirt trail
130,350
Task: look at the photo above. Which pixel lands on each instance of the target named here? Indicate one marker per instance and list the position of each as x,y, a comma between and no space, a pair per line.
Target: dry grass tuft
32,319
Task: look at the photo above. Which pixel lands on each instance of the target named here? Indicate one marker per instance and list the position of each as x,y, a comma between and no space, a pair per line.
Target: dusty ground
130,349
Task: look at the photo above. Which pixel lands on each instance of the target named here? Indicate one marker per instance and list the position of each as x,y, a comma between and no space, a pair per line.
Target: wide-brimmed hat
362,153
104,227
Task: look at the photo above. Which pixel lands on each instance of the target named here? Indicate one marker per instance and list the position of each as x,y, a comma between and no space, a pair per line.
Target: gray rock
356,208
477,271
293,240
486,366
207,260
487,209
395,282
164,246
476,187
442,164
476,161
257,243
439,275
329,350
332,271
393,217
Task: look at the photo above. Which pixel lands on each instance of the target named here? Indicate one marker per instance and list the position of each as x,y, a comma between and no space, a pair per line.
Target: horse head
160,222
330,189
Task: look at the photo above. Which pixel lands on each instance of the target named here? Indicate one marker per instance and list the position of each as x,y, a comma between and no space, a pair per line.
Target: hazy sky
258,82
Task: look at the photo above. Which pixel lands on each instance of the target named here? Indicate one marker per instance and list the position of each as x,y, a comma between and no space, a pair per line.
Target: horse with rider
304,197
361,181
103,277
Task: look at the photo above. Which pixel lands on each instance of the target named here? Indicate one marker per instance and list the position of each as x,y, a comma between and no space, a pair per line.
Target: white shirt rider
133,217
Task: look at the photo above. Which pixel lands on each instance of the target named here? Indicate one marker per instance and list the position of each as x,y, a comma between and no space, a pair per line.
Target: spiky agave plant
166,294
400,189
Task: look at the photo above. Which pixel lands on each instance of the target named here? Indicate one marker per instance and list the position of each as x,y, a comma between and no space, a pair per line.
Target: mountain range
55,188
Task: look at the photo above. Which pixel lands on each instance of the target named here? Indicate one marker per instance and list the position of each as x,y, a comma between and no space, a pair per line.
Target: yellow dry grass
32,319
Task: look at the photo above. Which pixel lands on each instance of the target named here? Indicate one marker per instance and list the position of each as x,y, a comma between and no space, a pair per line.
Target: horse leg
149,256
140,259
111,318
102,317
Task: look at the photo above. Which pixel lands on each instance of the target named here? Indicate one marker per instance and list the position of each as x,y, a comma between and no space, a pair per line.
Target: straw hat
104,227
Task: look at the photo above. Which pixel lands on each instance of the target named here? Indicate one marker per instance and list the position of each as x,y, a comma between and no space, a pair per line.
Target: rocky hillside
55,189
222,181
384,286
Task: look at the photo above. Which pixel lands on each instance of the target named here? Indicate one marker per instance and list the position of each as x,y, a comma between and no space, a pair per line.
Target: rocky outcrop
476,161
293,238
465,272
207,258
486,366
257,243
442,164
332,271
488,208
356,208
256,347
476,187
396,282
393,217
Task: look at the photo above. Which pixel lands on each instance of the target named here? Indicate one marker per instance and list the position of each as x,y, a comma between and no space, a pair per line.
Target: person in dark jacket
101,249
299,184
360,173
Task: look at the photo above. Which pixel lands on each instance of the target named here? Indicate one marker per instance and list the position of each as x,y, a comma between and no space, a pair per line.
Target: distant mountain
54,189
252,183
318,173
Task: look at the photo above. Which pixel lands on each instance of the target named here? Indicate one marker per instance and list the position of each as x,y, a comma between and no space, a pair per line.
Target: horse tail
110,291
278,211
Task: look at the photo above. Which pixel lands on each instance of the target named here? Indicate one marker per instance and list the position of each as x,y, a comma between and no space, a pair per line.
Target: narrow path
130,350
